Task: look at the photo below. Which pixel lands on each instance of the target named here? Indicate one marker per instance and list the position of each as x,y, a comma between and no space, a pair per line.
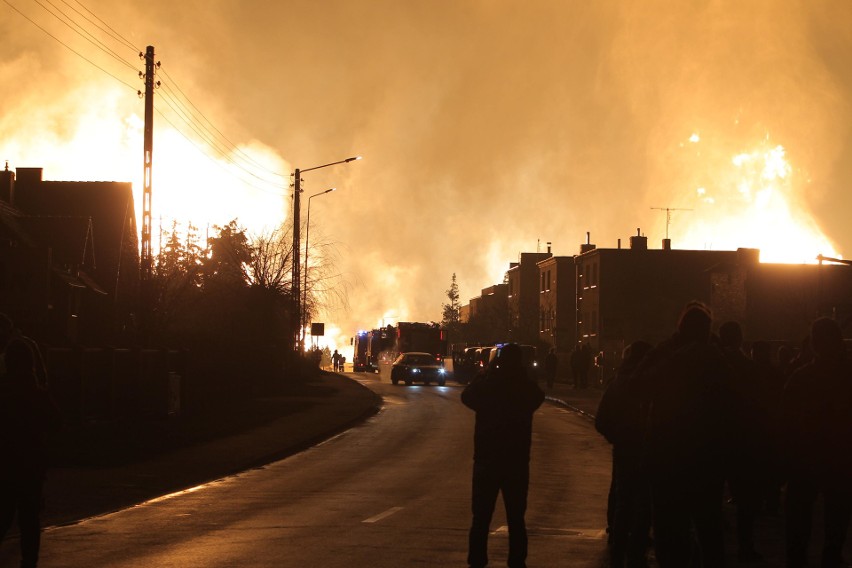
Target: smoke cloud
486,126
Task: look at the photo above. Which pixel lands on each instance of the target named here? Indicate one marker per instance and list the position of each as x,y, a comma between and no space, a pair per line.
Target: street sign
317,329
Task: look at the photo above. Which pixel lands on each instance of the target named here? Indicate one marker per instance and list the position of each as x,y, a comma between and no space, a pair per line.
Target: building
523,297
624,295
778,302
69,257
557,303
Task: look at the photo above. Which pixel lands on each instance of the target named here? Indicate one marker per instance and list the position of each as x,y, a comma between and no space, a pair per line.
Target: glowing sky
487,126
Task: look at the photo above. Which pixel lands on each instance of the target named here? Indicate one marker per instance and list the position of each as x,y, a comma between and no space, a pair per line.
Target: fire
193,182
756,201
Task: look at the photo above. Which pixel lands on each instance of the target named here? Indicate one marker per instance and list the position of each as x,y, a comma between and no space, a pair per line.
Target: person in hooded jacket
686,381
504,400
27,416
817,442
751,447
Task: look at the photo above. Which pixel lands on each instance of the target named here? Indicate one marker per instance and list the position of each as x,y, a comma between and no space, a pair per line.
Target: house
69,257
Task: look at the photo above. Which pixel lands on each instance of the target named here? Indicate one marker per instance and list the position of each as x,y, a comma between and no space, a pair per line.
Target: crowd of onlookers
696,420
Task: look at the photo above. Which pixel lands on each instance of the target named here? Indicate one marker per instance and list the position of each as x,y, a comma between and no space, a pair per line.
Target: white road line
384,515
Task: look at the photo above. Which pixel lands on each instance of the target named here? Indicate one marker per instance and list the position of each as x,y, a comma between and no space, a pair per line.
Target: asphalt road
393,491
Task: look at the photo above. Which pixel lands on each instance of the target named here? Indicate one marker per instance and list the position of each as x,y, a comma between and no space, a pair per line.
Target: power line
202,126
109,31
219,132
213,143
209,157
69,48
83,33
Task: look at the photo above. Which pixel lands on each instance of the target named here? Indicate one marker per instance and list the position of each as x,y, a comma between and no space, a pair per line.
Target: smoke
486,126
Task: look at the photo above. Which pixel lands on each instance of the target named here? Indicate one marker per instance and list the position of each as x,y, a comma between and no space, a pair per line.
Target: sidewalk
325,406
585,401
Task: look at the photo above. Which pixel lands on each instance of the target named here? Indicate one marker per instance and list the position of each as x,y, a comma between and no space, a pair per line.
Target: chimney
27,176
748,256
7,186
588,246
548,247
638,242
667,244
619,244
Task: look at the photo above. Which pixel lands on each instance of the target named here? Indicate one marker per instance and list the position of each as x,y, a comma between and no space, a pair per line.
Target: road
393,491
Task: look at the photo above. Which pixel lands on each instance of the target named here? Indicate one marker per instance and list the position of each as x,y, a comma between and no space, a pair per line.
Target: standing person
551,363
504,400
620,419
27,415
687,383
335,360
817,421
747,473
576,364
585,365
771,381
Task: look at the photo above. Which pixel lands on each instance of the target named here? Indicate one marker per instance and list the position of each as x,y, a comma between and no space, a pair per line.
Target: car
528,352
465,365
415,366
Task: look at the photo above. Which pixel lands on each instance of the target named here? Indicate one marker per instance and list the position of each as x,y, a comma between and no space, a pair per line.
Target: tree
451,319
452,310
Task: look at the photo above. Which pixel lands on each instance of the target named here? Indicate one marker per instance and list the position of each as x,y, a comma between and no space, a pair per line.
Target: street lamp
294,283
305,288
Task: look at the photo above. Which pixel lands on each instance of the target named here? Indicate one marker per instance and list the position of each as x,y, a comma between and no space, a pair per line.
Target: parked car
466,365
418,367
528,353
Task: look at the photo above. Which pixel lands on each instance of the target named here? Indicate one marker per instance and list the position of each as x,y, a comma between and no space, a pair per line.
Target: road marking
594,534
384,515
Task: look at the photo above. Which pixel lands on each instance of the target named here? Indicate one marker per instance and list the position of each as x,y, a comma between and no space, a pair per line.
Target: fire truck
384,344
424,337
359,351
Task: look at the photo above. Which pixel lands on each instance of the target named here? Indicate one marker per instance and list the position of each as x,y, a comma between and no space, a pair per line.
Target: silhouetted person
27,415
786,354
581,360
504,401
747,474
551,363
8,331
686,381
621,419
771,380
335,360
817,421
804,355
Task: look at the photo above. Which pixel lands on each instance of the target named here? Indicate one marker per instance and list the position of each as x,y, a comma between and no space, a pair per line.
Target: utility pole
148,142
294,285
668,211
148,149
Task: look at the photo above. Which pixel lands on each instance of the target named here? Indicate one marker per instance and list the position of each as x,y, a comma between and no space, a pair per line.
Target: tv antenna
668,211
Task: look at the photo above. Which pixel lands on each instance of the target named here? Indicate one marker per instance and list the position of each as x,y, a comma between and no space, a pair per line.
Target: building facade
557,303
523,298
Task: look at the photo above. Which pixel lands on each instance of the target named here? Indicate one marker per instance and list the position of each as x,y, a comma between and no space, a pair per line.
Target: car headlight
415,370
441,371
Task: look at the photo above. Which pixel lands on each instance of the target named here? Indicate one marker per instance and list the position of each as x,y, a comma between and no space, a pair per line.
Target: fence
103,383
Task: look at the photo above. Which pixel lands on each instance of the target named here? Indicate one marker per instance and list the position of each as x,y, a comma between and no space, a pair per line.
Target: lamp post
305,287
294,283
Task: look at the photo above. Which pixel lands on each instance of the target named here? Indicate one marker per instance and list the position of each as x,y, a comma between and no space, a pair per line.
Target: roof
109,207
